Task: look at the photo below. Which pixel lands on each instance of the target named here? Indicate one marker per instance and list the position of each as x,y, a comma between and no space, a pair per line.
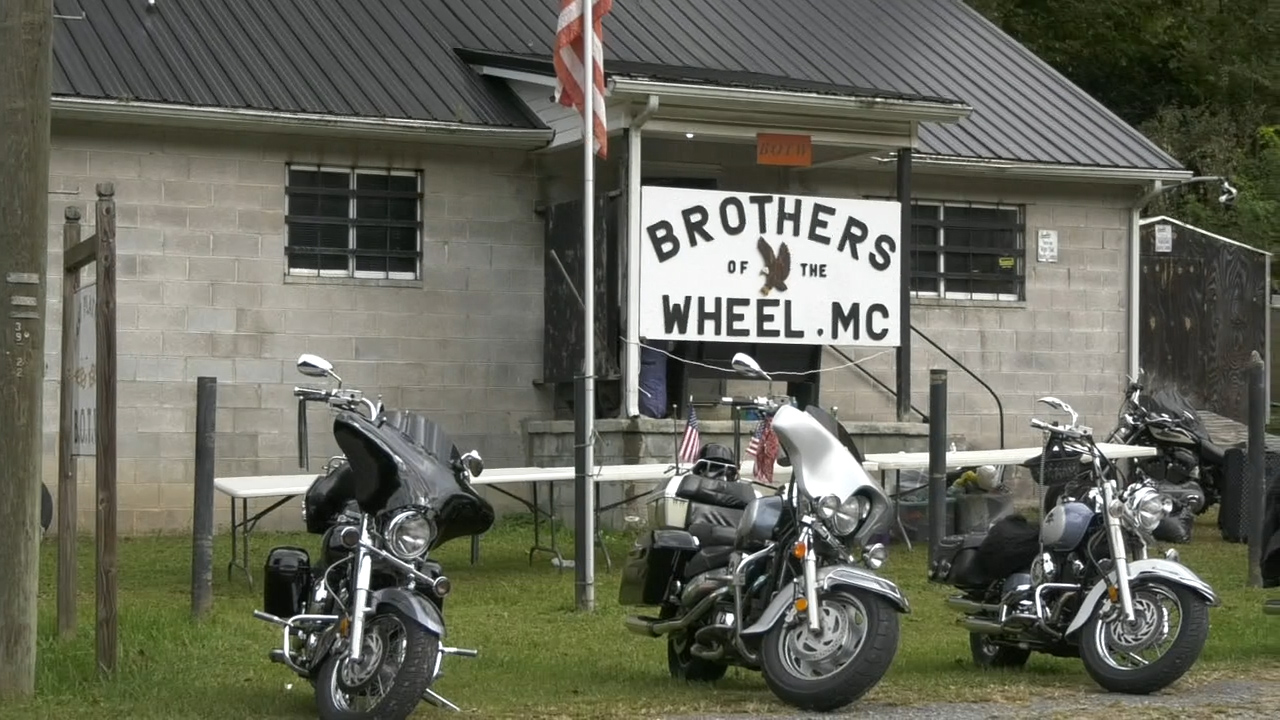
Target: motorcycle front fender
416,607
831,577
1153,567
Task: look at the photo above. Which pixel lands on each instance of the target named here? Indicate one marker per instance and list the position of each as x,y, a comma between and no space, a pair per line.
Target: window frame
1019,252
352,222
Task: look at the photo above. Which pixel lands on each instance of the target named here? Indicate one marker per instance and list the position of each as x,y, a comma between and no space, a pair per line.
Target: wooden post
66,438
25,66
107,651
1255,481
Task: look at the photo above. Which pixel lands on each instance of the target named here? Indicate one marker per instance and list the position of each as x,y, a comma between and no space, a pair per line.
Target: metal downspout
631,384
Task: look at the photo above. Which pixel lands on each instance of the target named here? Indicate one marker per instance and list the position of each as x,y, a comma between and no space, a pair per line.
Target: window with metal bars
968,251
347,222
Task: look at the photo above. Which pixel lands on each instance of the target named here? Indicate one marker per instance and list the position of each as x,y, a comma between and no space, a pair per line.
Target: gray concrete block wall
1068,338
202,291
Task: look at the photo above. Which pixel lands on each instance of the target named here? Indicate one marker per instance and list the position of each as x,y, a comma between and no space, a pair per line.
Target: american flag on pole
692,440
567,58
764,448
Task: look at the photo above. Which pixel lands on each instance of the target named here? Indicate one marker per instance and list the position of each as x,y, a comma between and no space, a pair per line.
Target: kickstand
434,698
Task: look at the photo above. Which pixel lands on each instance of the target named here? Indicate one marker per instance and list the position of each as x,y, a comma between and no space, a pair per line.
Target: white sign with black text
755,267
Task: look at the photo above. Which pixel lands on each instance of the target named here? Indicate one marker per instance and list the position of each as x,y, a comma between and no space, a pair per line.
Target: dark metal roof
368,59
1023,109
396,59
696,76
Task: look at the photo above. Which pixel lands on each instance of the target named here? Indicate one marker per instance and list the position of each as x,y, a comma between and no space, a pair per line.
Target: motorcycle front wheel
1169,629
824,671
395,669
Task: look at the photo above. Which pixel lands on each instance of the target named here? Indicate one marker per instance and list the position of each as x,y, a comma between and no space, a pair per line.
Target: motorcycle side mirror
746,366
314,366
473,463
1060,405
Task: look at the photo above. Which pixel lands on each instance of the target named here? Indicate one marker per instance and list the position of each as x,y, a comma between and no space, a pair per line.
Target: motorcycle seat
709,558
710,535
726,494
1215,453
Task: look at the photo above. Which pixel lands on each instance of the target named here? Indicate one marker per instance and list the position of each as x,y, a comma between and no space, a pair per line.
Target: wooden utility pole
25,59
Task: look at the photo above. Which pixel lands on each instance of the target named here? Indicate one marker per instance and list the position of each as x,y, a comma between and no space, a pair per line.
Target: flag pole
586,531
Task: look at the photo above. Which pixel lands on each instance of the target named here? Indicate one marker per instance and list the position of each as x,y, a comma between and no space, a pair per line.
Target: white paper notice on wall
1047,246
1164,238
762,268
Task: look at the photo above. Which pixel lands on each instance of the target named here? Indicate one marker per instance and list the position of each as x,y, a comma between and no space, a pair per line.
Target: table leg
243,526
536,508
897,508
232,563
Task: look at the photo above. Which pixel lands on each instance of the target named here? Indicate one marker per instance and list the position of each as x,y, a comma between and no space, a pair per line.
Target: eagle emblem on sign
776,269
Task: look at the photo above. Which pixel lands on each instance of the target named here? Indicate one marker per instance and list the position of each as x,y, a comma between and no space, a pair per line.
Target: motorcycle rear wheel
862,618
990,655
1099,639
683,664
417,651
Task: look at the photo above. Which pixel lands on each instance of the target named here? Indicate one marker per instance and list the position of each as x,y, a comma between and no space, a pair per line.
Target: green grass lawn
538,657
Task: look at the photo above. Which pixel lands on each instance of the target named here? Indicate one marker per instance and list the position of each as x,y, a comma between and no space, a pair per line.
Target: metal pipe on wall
635,178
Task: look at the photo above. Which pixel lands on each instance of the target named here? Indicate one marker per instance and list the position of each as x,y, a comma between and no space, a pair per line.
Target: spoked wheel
396,667
1169,629
839,663
988,654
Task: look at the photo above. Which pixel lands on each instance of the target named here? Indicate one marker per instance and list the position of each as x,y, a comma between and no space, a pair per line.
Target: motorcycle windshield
820,464
403,459
1167,400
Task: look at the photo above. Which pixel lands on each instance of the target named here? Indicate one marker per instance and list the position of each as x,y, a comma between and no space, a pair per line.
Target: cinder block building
380,183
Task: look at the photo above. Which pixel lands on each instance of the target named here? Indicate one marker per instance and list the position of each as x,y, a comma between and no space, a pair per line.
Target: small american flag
692,440
764,447
568,60
754,445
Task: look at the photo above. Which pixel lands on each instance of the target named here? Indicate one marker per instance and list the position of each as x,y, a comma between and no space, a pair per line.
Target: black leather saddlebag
1009,547
656,557
957,563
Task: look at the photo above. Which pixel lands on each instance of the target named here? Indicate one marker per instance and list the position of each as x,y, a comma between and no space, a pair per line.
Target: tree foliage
1201,78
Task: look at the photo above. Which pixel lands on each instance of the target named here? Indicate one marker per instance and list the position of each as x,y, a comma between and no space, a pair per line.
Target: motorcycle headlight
1149,507
409,535
844,517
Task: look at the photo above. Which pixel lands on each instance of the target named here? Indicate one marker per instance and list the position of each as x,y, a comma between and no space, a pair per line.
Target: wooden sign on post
87,415
784,150
84,392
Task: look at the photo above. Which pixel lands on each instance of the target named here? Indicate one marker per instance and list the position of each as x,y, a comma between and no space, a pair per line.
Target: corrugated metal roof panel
396,59
1023,109
373,59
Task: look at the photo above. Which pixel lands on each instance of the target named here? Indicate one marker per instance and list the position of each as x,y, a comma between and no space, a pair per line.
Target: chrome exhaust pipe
956,602
640,626
268,617
703,652
658,628
984,627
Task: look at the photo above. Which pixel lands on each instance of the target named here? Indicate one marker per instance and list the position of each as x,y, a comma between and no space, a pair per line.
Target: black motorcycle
783,583
1188,456
1080,582
365,624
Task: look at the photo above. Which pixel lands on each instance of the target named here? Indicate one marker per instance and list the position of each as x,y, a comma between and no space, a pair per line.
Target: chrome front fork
364,569
810,580
1118,553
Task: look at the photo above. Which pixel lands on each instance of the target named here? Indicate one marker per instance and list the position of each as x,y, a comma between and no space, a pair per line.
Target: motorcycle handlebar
1055,428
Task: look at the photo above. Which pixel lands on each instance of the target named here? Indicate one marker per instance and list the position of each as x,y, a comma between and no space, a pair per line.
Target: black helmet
716,461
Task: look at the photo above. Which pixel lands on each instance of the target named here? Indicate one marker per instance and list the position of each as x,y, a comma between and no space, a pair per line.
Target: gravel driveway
1219,698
